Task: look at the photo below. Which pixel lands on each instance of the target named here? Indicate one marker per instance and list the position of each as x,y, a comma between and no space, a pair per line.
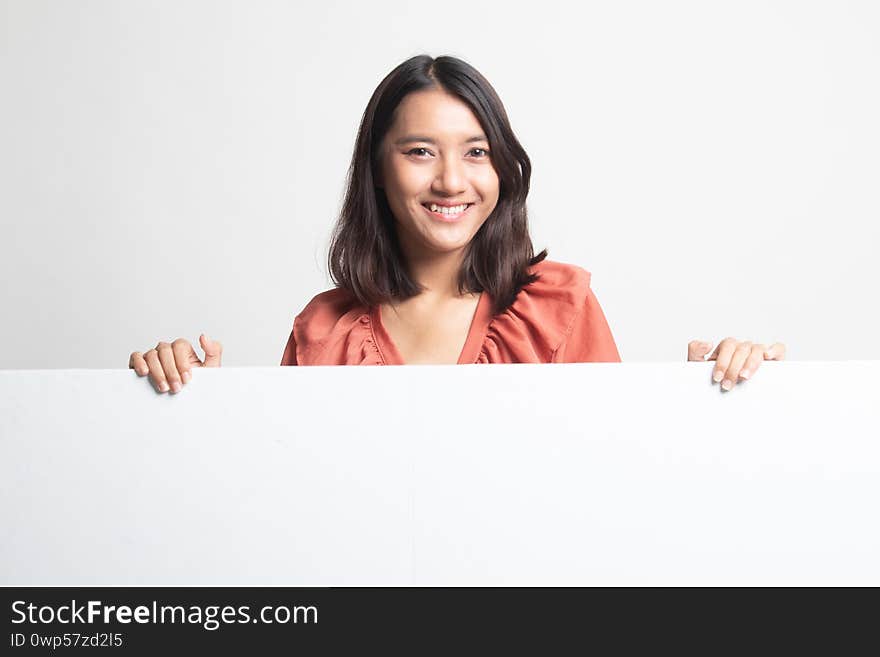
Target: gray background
168,168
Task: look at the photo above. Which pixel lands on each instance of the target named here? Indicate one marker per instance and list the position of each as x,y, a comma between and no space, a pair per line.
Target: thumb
213,351
697,349
775,351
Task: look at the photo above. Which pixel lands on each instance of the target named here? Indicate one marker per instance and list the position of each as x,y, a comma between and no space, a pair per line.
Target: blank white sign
581,474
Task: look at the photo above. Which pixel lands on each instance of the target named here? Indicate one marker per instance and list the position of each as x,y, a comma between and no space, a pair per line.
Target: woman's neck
437,274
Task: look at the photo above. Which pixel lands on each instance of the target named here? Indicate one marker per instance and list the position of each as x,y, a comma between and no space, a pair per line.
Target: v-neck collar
472,344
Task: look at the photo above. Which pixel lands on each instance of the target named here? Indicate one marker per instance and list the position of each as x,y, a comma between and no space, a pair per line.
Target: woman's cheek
490,186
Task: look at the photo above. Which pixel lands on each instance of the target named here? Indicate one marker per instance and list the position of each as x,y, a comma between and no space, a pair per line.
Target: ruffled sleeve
289,356
556,319
333,329
589,340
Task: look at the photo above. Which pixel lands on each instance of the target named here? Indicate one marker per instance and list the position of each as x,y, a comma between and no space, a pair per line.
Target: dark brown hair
365,256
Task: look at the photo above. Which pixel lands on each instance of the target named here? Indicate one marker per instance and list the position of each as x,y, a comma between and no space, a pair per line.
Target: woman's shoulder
330,305
333,329
556,276
541,317
557,294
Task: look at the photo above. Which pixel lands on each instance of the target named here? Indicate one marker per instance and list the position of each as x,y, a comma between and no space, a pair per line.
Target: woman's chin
445,246
439,239
448,239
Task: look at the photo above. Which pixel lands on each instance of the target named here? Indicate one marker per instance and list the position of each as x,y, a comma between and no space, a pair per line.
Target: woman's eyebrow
412,138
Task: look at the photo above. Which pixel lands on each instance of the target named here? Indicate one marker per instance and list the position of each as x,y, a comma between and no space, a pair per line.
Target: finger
166,357
698,349
137,363
737,360
723,344
213,351
721,356
775,351
185,357
157,374
753,362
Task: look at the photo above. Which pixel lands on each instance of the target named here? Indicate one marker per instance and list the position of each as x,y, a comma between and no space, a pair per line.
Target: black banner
414,620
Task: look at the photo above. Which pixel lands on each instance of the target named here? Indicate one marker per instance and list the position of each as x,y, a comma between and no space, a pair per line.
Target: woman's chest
435,336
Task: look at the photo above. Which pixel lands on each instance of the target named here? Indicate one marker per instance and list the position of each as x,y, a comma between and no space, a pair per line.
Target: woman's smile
447,213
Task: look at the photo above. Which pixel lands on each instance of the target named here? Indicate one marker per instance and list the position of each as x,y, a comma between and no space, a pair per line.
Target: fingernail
175,387
727,385
186,377
163,387
717,376
745,374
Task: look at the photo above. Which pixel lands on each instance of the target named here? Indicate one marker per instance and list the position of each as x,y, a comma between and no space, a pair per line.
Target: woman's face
437,153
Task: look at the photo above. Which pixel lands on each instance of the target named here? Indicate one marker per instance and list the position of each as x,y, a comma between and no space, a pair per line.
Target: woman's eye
419,152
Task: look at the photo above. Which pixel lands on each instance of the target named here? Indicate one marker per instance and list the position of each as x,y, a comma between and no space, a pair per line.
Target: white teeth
453,210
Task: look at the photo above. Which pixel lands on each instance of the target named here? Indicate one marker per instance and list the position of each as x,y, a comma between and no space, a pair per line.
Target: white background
168,168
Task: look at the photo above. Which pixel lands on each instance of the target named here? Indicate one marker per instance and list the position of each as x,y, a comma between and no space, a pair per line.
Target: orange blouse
556,319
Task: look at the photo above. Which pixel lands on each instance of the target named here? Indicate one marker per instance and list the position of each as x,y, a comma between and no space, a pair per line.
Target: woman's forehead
436,115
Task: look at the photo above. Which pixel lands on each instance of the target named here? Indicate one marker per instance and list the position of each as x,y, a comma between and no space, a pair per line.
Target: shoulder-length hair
365,257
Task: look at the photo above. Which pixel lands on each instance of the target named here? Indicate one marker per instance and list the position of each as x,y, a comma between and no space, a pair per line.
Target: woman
431,256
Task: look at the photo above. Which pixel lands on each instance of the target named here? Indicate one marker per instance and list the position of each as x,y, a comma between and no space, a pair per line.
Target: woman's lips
448,217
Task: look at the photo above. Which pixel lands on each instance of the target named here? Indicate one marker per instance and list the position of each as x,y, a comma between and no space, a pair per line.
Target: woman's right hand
169,365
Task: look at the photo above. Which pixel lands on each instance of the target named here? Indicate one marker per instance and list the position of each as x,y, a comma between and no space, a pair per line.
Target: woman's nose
450,177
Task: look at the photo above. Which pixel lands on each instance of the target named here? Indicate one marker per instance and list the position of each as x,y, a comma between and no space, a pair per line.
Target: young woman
431,256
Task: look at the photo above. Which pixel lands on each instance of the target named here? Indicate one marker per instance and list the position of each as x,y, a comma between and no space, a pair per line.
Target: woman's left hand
735,360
